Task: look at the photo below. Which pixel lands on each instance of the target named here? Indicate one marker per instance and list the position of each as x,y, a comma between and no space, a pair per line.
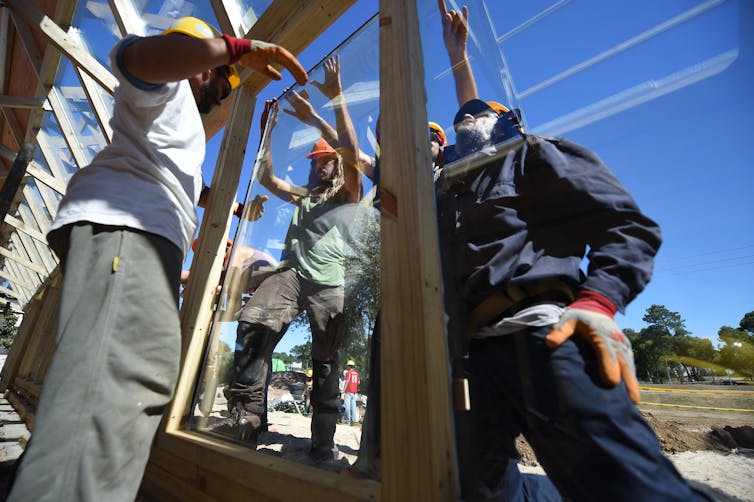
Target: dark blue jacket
531,216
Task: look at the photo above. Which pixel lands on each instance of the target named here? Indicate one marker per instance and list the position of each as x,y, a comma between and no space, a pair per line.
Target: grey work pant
114,369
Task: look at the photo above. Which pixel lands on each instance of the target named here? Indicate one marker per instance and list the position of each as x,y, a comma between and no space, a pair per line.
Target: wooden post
417,441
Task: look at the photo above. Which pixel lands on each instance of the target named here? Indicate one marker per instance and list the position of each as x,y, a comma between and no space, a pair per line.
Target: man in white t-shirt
121,232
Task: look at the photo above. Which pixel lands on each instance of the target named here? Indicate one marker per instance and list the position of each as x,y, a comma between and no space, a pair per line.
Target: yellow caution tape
742,393
695,407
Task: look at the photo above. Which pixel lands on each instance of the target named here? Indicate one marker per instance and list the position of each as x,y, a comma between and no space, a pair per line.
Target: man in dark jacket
518,213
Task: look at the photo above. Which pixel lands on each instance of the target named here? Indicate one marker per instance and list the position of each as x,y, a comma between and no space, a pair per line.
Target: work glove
591,317
260,56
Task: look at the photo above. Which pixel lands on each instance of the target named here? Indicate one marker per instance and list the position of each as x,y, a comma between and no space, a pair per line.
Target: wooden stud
196,311
23,227
60,39
418,454
20,102
60,111
126,17
22,261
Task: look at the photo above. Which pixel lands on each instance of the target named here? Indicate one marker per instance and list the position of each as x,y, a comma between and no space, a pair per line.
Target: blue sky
660,90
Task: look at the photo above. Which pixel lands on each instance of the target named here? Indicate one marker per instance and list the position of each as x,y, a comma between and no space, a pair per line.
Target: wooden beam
32,200
43,176
51,157
22,261
9,292
418,448
33,212
101,112
13,269
127,18
24,248
196,311
20,102
16,281
29,43
23,227
5,48
60,39
223,10
60,111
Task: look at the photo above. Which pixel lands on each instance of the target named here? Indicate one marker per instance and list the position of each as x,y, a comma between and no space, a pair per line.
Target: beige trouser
114,369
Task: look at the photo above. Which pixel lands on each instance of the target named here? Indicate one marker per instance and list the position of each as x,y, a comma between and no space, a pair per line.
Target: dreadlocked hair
333,185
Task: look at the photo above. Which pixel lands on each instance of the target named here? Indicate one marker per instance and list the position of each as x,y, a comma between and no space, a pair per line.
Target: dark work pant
263,322
591,439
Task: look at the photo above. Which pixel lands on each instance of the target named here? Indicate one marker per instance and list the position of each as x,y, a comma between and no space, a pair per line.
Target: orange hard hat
436,129
321,147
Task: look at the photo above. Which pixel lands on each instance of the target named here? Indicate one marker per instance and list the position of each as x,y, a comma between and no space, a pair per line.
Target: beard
208,96
473,137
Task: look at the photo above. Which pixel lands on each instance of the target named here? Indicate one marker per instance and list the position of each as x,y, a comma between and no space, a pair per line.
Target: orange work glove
260,56
591,317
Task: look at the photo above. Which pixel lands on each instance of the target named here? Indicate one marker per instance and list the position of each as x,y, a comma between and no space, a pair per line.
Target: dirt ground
708,442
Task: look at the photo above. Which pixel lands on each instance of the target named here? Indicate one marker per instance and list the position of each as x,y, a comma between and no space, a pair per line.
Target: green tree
658,346
286,358
303,353
737,350
8,327
747,323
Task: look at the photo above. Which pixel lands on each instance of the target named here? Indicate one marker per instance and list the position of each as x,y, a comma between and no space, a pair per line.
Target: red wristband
237,47
594,302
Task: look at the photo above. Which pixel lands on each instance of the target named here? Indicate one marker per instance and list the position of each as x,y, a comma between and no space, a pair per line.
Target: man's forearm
171,58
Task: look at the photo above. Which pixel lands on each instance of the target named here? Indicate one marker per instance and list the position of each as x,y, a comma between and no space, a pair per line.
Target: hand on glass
331,87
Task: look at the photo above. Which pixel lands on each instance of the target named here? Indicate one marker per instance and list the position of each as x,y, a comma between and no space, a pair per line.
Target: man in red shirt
350,389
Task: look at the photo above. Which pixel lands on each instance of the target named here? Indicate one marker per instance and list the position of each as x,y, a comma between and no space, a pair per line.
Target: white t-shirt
149,178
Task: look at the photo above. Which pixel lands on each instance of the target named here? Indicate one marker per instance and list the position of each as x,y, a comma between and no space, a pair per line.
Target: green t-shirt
314,245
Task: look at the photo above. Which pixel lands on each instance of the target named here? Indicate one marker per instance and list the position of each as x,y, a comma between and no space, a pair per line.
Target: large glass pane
306,269
650,98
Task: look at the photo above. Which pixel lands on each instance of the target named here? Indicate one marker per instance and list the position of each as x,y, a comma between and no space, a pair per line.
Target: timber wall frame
417,441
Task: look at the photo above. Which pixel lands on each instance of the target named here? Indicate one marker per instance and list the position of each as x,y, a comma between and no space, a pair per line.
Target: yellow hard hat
350,363
195,27
309,373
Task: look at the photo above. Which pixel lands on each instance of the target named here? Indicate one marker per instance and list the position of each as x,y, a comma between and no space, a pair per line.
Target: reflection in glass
304,264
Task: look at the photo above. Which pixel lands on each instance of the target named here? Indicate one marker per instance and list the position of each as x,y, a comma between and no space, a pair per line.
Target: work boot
241,425
322,454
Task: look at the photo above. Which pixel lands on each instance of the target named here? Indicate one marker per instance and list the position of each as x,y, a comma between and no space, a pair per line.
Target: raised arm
455,34
304,111
266,175
170,58
347,142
